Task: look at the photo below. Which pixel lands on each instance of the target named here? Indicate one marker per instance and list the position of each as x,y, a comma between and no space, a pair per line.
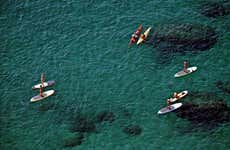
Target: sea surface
83,46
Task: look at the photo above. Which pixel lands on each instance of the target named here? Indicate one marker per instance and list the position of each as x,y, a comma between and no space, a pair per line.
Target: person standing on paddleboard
42,85
168,104
41,90
42,79
186,66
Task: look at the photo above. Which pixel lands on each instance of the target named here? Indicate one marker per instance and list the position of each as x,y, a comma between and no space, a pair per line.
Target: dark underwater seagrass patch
83,124
105,116
215,9
73,141
132,130
182,37
205,110
88,122
169,39
224,86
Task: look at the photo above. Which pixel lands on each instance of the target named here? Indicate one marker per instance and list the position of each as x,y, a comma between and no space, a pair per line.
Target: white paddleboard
172,108
180,95
146,33
48,83
182,73
45,95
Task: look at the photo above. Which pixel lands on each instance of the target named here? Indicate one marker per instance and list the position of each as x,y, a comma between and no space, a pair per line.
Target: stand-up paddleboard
45,95
171,108
146,33
180,95
182,73
48,83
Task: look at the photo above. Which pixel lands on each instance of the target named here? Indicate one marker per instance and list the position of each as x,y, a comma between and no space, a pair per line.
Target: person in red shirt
41,90
186,66
42,79
168,104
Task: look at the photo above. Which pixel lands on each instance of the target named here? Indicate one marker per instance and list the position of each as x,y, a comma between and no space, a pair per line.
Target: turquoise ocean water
82,45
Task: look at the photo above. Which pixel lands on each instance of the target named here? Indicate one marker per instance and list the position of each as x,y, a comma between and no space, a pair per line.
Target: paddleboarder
168,104
175,95
143,36
134,37
137,32
186,66
41,90
42,79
